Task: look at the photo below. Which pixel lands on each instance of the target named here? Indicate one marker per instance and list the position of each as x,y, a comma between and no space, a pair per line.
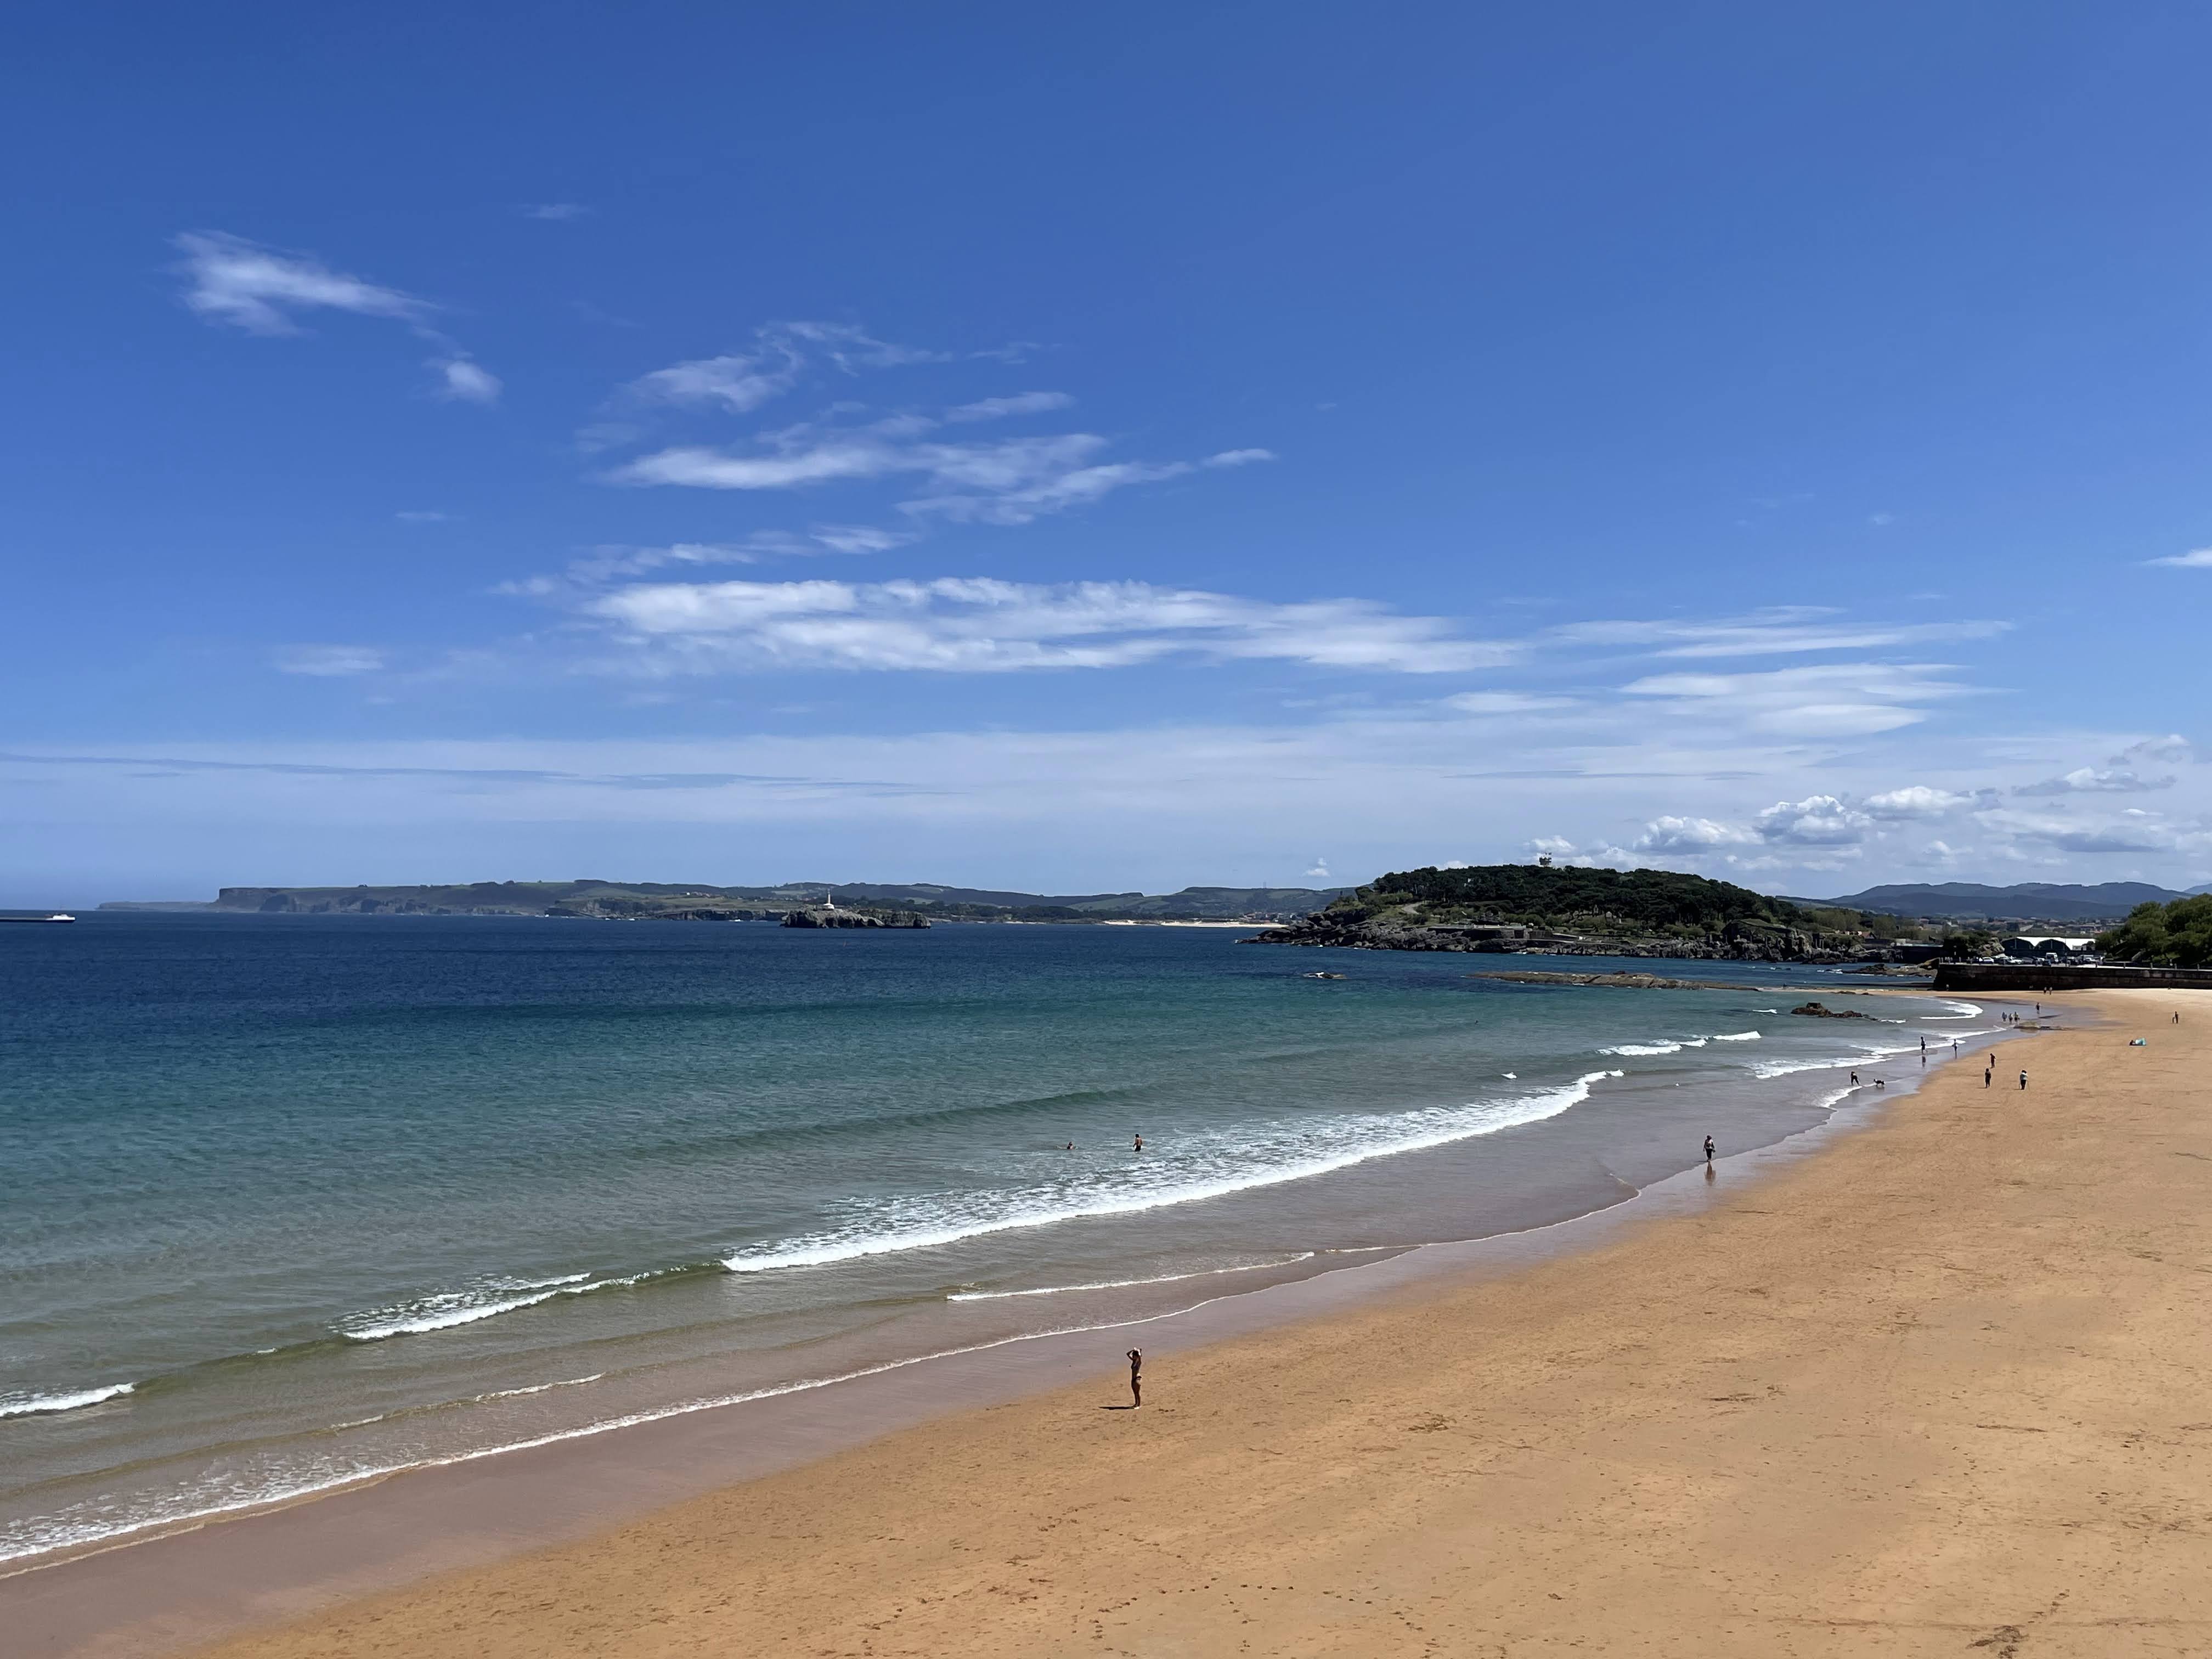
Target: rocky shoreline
1735,942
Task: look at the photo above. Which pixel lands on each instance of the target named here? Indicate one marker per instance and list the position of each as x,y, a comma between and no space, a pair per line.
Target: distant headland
865,903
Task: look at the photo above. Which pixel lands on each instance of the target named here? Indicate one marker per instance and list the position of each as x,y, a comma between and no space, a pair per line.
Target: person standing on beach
2023,1080
1709,1148
1136,1377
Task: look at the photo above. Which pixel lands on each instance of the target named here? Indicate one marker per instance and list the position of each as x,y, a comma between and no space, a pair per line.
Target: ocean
292,1202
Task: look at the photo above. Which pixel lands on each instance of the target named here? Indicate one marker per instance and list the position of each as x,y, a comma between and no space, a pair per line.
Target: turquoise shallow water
295,1200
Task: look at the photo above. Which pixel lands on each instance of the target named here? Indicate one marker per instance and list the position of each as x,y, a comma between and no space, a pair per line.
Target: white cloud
421,516
610,563
853,348
970,625
1239,457
555,210
1784,631
2197,559
1505,702
858,538
2092,780
466,382
1815,821
2172,749
1055,492
329,661
1010,482
1675,835
1830,700
258,288
1319,871
1022,403
1916,801
737,382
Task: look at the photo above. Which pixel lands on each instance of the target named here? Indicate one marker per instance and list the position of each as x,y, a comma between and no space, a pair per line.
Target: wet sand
1940,1384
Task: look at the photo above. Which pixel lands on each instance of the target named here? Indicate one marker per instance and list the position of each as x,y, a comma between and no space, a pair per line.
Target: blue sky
1230,443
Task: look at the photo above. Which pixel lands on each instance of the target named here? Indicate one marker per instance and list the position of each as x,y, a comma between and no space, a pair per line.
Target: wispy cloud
463,381
555,210
329,661
2096,780
2198,559
1781,632
1012,482
421,515
1022,403
972,625
737,381
1829,700
606,564
261,289
258,288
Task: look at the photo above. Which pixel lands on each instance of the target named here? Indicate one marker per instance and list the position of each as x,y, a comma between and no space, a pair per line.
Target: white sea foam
1124,1283
485,1300
542,1388
1736,1037
1213,1167
1641,1049
215,1496
26,1405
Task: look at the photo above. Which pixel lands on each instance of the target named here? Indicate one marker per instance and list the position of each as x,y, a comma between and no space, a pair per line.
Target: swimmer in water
1140,1143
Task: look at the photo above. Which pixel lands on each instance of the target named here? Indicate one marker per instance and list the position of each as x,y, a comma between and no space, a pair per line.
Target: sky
1078,451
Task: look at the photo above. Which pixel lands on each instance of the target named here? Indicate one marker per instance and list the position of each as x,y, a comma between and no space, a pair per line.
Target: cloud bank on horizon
894,517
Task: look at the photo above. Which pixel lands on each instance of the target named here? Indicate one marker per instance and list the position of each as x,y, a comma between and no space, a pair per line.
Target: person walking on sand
2023,1080
1709,1148
1136,1377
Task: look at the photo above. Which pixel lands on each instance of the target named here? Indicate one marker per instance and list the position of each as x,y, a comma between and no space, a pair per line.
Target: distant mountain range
2041,901
687,900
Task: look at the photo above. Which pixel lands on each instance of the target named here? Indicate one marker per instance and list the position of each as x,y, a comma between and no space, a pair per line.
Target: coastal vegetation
1512,907
2175,935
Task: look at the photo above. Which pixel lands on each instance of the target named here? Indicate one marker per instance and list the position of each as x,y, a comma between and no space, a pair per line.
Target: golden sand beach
1943,1388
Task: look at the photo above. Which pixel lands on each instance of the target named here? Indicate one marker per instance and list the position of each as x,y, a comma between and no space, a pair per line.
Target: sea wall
2003,976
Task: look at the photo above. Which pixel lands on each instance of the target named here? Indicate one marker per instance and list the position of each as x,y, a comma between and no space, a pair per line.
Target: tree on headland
2176,935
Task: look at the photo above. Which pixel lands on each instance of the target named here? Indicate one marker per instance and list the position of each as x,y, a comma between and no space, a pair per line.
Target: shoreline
1935,1389
373,1536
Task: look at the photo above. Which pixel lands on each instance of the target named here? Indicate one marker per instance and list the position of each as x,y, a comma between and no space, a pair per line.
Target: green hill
1620,912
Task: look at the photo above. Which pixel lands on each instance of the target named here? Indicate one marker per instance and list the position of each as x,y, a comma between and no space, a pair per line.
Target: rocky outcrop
1616,982
1404,929
1821,1011
823,917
